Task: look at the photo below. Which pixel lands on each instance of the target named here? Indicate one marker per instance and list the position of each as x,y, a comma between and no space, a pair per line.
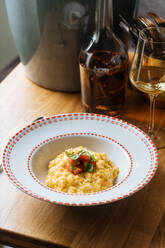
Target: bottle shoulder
104,41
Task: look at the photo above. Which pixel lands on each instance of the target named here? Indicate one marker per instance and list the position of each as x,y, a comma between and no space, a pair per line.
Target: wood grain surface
137,221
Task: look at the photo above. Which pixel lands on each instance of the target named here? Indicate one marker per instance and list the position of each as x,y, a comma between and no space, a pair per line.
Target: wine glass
147,72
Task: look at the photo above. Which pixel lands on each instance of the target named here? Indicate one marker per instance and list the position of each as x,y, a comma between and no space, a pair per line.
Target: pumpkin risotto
78,170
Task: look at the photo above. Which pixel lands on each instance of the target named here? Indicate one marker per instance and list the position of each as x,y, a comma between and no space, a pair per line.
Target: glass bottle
103,65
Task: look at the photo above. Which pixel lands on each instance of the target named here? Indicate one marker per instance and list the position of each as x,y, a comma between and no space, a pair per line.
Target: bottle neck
104,15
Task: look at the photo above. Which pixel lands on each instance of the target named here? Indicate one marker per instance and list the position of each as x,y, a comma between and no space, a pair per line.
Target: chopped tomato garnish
84,158
77,171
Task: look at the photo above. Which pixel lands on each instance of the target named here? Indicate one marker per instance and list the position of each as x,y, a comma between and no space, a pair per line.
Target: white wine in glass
151,79
147,72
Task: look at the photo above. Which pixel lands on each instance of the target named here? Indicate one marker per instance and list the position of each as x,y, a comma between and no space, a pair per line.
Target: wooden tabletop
137,221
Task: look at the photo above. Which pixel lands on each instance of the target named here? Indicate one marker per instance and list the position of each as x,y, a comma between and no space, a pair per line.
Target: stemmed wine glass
147,72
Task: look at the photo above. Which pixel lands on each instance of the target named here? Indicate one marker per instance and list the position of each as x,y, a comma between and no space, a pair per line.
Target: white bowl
27,154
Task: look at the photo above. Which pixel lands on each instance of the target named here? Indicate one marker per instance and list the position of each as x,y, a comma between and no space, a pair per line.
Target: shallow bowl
28,152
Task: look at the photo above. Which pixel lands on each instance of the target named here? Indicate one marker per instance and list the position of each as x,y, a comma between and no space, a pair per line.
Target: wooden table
137,221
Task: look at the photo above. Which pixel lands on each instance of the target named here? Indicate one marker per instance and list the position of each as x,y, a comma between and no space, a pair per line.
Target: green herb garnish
73,156
72,167
88,167
69,154
92,158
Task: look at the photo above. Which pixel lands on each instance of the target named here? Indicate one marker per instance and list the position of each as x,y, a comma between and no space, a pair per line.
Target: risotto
78,170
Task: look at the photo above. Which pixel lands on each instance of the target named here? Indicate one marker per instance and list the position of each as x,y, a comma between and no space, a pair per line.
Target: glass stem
152,114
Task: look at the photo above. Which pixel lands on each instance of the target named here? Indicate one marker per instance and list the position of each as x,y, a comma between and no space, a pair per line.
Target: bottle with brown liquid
103,66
